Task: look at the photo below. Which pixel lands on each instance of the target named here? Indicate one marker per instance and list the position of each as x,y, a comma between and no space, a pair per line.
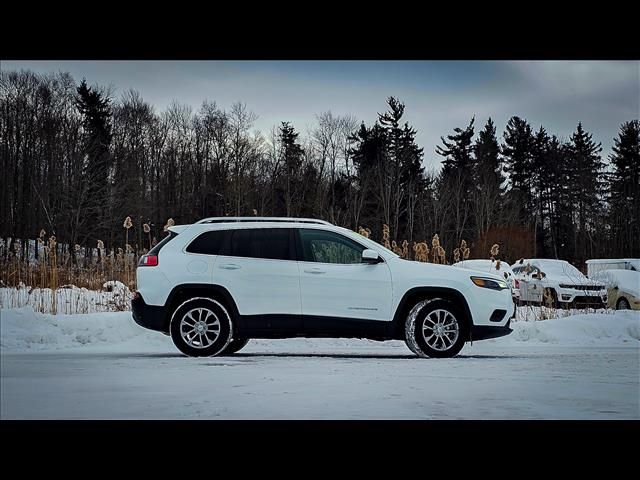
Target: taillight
517,283
148,261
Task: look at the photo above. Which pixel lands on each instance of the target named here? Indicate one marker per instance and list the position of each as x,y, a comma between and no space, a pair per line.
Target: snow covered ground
102,365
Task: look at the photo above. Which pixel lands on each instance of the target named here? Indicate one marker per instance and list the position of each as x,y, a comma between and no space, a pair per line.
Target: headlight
489,283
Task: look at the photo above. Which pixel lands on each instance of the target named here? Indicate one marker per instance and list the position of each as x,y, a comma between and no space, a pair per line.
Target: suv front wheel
435,328
201,327
234,346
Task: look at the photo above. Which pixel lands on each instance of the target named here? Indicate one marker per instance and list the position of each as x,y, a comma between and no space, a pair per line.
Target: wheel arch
181,293
622,297
415,294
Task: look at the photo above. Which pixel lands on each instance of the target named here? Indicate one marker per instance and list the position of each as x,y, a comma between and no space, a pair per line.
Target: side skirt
312,326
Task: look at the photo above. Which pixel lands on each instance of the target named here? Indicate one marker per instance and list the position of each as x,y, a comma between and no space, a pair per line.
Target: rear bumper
483,332
149,316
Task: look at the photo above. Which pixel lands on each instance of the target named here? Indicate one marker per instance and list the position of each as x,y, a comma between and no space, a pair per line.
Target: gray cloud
439,95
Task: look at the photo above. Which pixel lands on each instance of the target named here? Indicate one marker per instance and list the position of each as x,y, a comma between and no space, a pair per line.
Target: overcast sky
439,95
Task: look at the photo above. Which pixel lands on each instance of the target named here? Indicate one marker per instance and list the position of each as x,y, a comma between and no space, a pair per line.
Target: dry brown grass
419,250
46,264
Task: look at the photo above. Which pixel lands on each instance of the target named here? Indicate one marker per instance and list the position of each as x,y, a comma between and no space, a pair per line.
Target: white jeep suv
215,284
561,284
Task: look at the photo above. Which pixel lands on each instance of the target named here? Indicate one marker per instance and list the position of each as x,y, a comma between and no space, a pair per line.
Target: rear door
259,270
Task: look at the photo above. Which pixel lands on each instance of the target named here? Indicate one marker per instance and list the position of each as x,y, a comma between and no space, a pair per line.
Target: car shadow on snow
364,356
253,356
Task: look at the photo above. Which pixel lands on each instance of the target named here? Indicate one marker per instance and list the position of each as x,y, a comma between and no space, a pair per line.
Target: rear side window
270,243
208,243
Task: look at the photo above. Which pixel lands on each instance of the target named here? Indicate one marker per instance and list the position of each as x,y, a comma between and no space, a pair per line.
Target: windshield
559,268
368,242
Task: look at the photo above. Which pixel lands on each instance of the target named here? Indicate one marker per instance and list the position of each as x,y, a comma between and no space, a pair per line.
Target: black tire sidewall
226,327
234,346
622,301
419,322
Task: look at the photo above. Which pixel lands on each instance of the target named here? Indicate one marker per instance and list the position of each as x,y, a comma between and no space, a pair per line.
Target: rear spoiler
178,228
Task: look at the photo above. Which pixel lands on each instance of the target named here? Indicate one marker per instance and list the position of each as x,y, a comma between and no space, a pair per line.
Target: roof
612,260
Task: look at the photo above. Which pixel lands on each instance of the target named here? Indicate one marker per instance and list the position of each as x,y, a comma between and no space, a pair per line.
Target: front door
334,283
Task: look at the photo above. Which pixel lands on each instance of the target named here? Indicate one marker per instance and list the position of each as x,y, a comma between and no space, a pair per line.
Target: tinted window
271,243
209,243
329,247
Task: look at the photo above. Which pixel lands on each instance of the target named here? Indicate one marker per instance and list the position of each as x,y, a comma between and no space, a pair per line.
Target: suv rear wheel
201,327
435,328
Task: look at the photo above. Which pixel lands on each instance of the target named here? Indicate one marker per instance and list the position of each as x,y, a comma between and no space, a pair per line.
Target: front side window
269,243
329,247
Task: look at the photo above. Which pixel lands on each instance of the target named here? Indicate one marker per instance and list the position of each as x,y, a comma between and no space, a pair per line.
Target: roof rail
262,219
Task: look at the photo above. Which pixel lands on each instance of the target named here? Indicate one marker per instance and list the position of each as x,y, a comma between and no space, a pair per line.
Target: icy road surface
57,367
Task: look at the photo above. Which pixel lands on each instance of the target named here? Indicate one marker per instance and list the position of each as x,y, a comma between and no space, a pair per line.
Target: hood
436,271
569,279
627,281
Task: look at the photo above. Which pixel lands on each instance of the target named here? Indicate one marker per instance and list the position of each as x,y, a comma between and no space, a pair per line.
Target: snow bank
620,327
25,330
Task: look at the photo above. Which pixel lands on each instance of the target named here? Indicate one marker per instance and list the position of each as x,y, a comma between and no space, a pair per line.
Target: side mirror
370,256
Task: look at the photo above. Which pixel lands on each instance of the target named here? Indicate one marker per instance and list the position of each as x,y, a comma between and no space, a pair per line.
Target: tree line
76,161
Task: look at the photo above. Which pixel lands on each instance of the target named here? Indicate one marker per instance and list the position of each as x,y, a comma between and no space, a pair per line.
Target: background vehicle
495,267
623,288
562,284
599,264
217,283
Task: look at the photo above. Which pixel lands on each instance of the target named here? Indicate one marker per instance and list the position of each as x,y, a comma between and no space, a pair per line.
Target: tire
623,304
191,317
421,322
234,346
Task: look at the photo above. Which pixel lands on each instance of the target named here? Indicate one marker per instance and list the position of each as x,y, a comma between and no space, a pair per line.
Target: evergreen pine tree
517,150
455,183
488,181
292,154
586,189
624,190
92,196
457,150
539,182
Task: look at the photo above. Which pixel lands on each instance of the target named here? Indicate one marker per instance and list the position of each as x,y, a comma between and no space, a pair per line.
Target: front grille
584,301
586,288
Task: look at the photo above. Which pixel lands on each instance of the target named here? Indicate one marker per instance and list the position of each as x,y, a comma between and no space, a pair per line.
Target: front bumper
483,332
580,298
484,304
149,316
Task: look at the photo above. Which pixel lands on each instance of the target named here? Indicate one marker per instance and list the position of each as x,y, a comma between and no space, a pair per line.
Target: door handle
315,270
230,266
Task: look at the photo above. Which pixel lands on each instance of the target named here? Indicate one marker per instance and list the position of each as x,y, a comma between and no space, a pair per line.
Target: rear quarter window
208,243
